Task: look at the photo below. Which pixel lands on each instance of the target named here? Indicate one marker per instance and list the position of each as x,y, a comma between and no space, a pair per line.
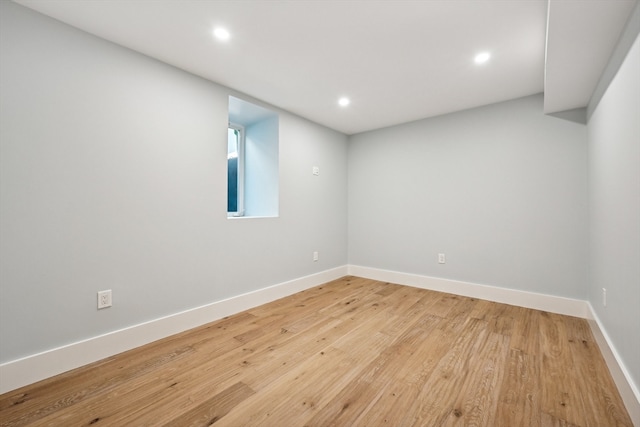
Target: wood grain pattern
352,352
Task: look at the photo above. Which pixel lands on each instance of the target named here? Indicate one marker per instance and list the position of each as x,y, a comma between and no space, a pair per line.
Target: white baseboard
628,390
33,368
550,303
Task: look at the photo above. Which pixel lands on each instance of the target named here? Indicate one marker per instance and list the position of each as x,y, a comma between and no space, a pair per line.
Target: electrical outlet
604,296
104,299
315,170
441,258
315,256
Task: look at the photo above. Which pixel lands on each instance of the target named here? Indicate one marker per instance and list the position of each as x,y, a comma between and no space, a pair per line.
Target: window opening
252,160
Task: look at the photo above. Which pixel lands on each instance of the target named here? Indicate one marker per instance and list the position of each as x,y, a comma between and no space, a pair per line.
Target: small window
252,160
235,170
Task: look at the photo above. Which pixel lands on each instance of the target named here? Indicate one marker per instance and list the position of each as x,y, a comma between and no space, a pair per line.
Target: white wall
261,168
501,190
614,207
113,176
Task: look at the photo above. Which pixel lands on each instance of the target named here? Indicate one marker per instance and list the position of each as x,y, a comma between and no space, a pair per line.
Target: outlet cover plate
104,299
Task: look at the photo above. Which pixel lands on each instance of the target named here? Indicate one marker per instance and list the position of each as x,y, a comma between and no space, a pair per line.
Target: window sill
253,217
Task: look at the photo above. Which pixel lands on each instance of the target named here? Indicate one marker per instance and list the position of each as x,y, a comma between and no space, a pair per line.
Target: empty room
320,213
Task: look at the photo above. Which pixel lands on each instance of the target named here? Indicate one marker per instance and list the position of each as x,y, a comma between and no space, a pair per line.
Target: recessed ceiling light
344,101
221,34
481,58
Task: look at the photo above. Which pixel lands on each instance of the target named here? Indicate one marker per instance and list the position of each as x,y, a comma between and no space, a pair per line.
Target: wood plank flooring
352,352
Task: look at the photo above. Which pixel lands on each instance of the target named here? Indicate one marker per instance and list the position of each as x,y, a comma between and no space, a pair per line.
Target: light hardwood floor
352,352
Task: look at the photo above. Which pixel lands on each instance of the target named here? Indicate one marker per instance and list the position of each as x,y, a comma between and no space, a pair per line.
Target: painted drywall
614,207
113,176
627,38
500,190
261,168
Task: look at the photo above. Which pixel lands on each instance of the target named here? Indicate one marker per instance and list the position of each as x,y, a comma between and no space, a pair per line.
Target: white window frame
241,163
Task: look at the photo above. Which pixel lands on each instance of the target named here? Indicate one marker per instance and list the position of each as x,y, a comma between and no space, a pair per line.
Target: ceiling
397,60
